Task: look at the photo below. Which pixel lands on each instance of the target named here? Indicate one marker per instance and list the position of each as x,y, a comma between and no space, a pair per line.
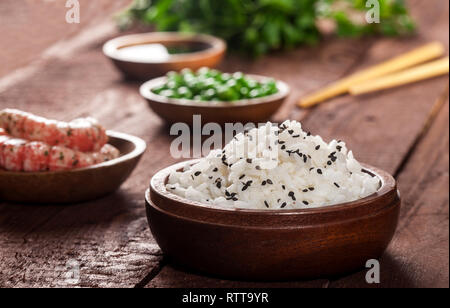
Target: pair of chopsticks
392,73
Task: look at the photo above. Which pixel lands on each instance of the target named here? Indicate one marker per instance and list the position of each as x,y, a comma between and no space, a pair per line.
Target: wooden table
55,69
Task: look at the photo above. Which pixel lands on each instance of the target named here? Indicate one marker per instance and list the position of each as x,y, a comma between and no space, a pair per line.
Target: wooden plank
419,253
48,237
107,239
28,29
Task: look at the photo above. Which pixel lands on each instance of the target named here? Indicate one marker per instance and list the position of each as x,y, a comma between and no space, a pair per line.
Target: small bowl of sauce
148,55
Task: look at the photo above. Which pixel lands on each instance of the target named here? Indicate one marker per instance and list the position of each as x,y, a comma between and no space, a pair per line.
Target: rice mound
275,167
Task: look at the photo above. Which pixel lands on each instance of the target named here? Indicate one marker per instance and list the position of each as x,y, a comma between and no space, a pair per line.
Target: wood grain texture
28,29
110,237
419,253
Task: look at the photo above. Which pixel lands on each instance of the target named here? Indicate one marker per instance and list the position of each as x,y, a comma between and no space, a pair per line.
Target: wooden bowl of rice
272,245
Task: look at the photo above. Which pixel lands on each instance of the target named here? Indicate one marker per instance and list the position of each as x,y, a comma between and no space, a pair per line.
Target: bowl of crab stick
50,161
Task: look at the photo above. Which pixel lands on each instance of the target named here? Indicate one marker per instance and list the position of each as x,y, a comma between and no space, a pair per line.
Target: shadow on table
393,274
59,218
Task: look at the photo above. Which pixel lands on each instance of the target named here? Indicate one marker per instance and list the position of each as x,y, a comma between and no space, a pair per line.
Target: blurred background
251,27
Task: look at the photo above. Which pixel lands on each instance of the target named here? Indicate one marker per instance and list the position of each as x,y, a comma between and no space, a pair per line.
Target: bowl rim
146,91
217,46
158,186
139,148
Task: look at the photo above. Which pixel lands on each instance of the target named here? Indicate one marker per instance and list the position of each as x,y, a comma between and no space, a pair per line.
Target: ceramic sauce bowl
201,50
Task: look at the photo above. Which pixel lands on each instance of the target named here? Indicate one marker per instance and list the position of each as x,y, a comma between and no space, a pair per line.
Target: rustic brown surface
63,74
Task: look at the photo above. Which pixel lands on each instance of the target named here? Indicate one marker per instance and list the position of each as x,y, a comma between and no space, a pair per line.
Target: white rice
274,167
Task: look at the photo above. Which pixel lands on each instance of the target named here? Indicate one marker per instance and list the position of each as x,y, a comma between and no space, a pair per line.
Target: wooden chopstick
417,56
425,71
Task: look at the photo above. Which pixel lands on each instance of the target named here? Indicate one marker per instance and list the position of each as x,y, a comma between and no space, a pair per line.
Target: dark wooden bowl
75,185
277,244
255,110
213,51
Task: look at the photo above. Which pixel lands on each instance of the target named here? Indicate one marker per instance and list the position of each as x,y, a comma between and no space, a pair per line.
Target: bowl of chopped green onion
216,96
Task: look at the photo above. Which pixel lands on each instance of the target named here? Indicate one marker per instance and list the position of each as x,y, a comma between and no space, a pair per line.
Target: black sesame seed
292,195
269,181
241,177
249,160
284,187
339,148
267,204
291,131
263,183
305,190
283,205
215,169
197,173
219,184
311,188
283,147
319,171
305,202
329,163
337,185
318,147
308,134
258,168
